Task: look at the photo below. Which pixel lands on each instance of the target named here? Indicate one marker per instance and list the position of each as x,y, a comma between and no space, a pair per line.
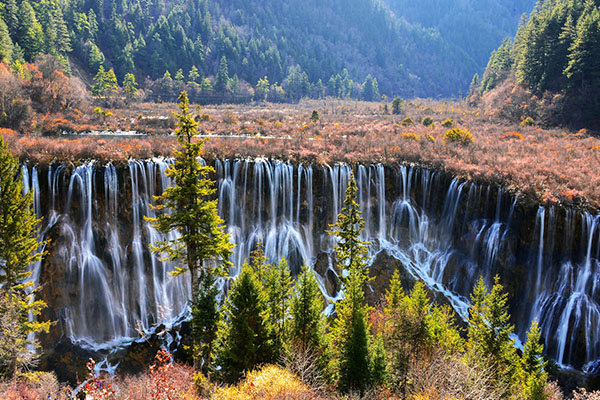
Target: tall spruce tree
19,249
351,336
534,378
222,78
489,340
583,70
351,328
350,251
129,87
243,337
307,325
203,245
6,44
29,34
278,292
11,17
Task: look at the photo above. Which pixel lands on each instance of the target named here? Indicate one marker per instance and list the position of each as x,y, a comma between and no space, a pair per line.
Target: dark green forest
555,56
302,48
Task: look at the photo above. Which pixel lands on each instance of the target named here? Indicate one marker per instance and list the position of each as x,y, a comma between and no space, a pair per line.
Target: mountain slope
477,27
255,38
553,64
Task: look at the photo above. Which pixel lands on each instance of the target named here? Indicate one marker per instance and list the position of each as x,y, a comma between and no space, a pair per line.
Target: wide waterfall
104,286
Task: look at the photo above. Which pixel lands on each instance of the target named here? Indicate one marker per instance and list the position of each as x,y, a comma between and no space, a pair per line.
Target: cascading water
103,284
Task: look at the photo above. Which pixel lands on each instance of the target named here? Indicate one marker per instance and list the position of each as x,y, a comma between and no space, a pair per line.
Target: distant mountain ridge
407,53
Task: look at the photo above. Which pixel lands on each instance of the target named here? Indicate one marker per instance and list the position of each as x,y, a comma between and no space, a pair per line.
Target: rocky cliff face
103,286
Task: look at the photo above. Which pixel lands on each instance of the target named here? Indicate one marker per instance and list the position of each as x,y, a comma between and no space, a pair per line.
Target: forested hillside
550,72
310,48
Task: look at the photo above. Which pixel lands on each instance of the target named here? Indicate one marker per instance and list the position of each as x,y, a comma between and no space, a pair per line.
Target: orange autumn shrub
512,135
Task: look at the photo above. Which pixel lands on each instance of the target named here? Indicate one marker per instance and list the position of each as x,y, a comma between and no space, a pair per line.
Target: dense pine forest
295,47
550,71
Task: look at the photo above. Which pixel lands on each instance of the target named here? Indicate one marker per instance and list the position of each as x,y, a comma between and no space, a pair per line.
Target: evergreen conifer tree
98,88
203,246
222,78
6,44
351,329
129,87
193,75
243,337
370,89
534,378
30,34
11,17
278,292
63,39
378,361
179,75
350,251
489,331
308,325
584,63
19,249
307,321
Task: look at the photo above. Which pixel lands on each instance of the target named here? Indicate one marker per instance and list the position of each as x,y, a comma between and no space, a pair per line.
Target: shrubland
544,164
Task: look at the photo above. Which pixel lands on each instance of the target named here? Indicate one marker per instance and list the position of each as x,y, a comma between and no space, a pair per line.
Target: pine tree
243,337
584,63
378,363
129,87
350,251
179,75
111,81
63,39
475,85
442,330
98,88
307,322
95,57
30,34
351,329
193,75
11,11
413,319
498,67
394,294
489,331
534,378
278,291
203,241
6,44
105,83
397,105
222,78
370,89
351,336
19,249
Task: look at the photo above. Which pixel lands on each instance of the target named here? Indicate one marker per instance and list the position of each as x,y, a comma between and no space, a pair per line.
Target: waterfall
446,232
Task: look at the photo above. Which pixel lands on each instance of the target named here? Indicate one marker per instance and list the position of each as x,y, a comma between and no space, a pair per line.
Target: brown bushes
550,165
